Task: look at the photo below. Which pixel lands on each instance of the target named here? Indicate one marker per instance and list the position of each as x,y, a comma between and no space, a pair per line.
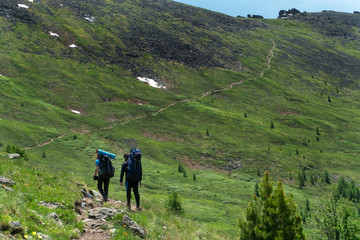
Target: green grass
42,80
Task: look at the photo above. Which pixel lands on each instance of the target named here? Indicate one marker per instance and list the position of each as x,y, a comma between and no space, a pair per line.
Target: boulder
7,188
50,205
133,226
56,218
13,155
6,181
43,236
102,212
16,227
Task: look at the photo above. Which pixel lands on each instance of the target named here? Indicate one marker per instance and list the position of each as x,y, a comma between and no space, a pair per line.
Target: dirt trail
45,143
205,94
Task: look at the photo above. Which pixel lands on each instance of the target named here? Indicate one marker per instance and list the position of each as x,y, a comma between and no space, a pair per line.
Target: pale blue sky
271,8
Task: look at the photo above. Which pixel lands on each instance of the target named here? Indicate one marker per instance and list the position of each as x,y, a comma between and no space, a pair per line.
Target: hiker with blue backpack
103,172
132,169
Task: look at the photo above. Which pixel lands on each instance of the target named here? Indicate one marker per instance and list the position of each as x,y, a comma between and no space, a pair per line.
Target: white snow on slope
75,111
151,82
31,0
73,46
54,34
23,6
90,19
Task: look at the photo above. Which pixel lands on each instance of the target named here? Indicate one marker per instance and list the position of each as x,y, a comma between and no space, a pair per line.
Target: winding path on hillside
207,93
45,143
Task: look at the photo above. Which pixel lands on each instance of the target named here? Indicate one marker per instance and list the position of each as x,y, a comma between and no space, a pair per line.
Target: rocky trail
95,214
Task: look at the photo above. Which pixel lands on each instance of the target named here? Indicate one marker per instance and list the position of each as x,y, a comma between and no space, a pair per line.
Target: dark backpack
106,170
134,168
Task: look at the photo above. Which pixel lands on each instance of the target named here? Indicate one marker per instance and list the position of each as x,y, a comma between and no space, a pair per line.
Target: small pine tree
256,191
272,125
184,173
245,115
75,137
329,99
337,90
258,172
44,155
308,205
207,132
8,148
291,176
174,204
317,131
301,180
181,168
194,177
272,215
327,177
317,138
297,151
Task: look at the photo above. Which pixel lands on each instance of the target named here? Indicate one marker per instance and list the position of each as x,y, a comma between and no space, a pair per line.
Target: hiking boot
105,199
138,208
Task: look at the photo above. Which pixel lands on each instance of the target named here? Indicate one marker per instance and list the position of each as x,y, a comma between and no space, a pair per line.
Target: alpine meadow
249,128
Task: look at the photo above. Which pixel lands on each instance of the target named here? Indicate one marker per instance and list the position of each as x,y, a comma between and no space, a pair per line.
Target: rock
44,236
16,227
50,205
101,213
86,194
95,193
133,226
15,224
6,181
13,155
93,223
56,218
7,188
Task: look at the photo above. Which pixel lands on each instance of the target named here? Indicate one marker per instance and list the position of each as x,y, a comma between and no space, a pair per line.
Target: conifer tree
327,177
271,216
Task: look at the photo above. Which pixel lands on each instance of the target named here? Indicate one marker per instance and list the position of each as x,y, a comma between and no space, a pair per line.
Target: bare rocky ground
94,213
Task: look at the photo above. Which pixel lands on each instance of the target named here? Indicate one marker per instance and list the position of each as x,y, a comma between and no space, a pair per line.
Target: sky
271,8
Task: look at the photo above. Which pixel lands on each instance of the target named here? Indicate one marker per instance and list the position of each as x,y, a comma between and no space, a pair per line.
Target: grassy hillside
242,96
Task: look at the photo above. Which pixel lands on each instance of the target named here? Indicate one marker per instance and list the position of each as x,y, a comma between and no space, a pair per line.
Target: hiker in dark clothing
129,183
102,181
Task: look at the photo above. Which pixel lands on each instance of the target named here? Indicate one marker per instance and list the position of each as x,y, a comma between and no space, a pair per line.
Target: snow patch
90,19
31,0
54,34
73,46
22,6
151,82
75,111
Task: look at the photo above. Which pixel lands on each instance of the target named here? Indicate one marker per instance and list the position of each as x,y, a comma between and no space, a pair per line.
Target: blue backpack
134,168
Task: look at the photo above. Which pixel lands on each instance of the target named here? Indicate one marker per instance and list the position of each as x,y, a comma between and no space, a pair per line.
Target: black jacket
123,170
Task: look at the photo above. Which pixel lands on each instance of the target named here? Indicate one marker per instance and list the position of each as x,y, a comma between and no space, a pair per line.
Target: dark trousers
104,192
135,187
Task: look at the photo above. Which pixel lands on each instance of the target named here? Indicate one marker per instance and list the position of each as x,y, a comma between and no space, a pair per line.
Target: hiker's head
126,156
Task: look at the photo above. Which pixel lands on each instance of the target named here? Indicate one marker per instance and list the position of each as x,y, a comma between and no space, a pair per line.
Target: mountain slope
241,96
